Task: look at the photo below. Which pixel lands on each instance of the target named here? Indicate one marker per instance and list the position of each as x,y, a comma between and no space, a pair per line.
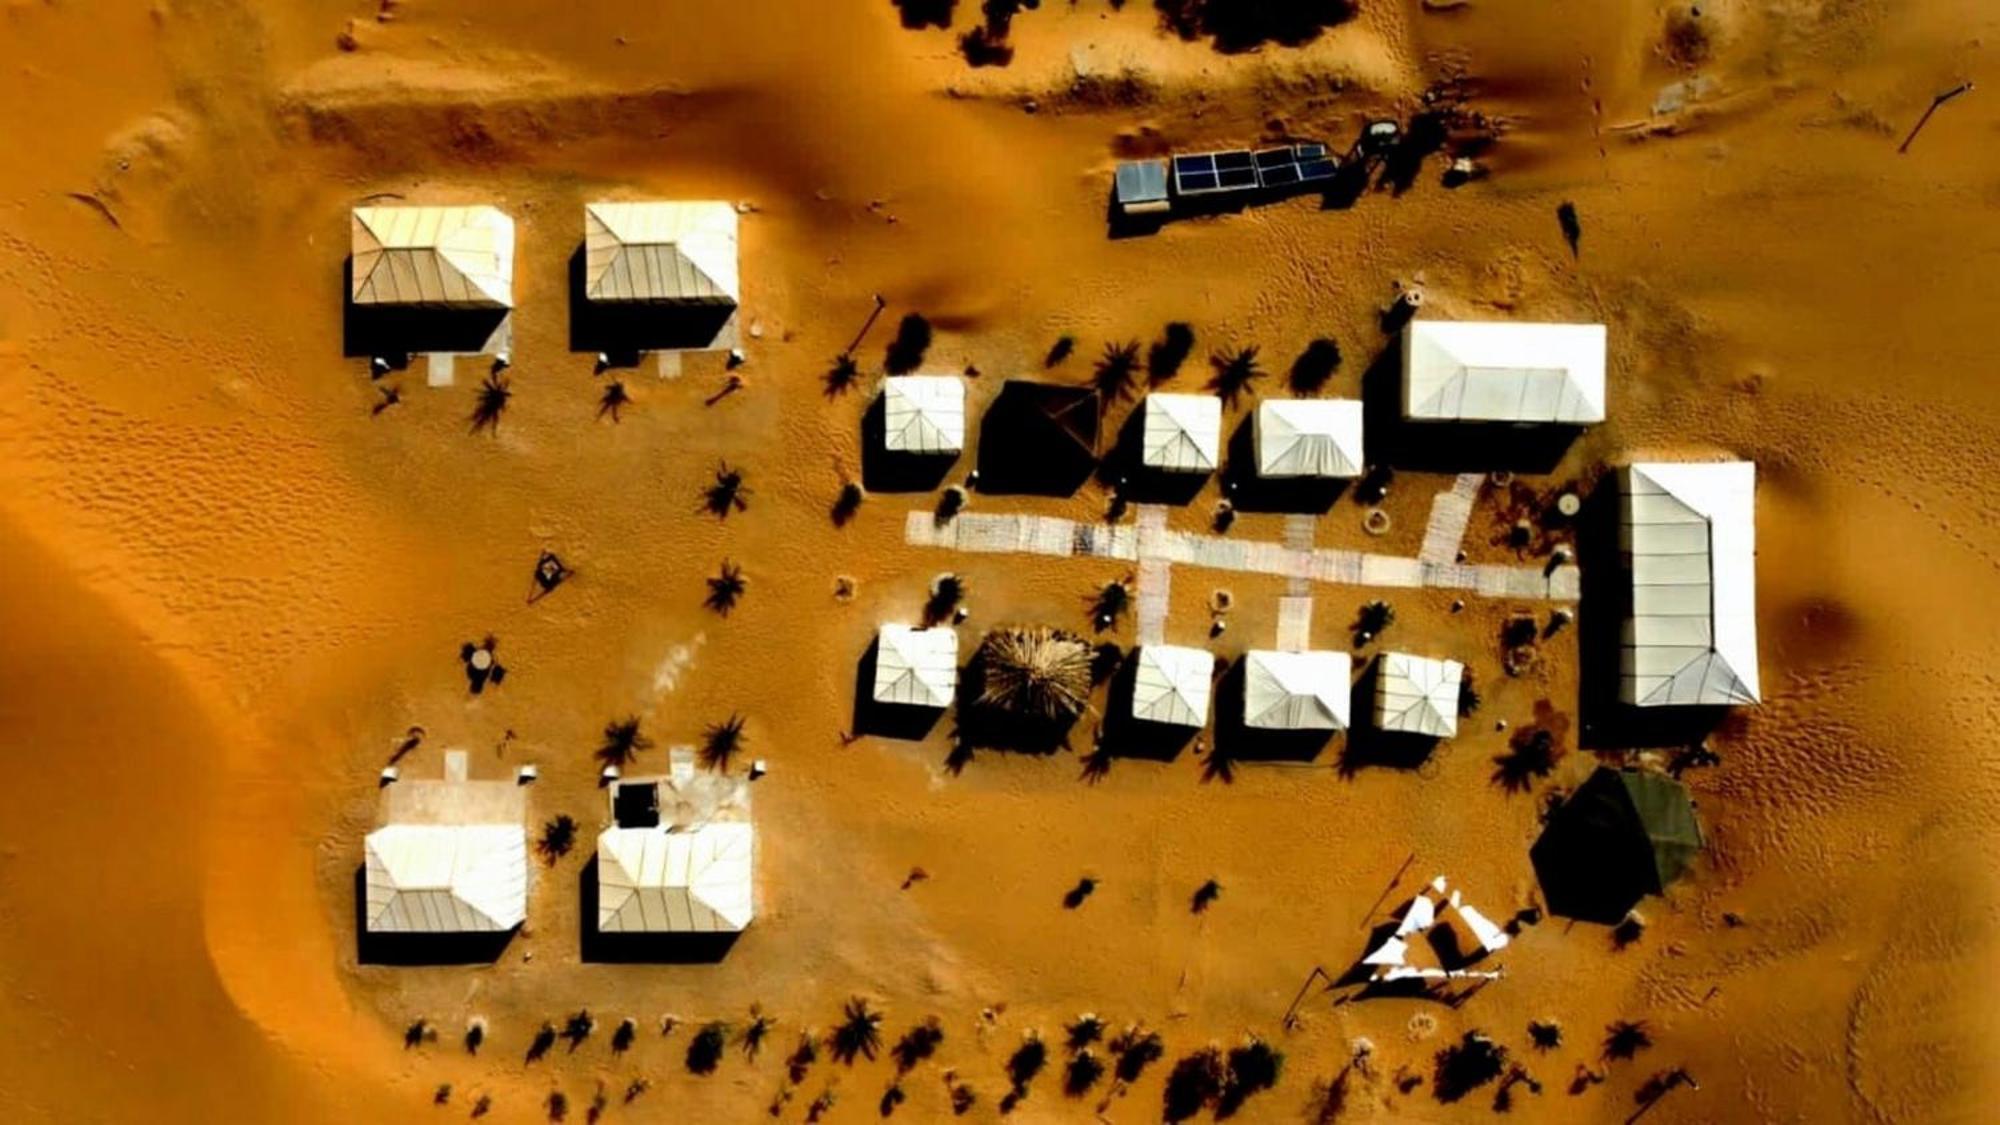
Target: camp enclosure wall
1498,371
1688,531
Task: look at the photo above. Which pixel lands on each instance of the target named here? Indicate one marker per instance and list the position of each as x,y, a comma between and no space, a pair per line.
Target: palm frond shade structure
1690,531
661,252
916,667
1308,437
1036,671
923,414
1171,684
655,880
1497,371
1296,690
1183,433
440,257
1417,695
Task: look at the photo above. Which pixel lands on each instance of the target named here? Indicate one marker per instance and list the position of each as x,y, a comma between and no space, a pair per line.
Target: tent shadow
396,332
419,949
1450,447
1605,722
1369,746
1038,439
597,947
883,470
887,720
1128,736
1251,492
625,329
1237,741
1142,484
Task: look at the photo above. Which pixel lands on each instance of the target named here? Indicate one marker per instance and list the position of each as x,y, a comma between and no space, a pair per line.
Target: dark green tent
1622,835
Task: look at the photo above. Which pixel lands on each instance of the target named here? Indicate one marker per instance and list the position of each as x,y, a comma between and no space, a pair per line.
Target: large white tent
1690,530
1170,685
1500,371
1296,690
1182,433
452,257
675,252
664,880
923,414
916,667
1308,437
446,878
1417,695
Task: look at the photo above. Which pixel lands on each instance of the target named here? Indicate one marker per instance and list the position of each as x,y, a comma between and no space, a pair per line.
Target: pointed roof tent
1183,433
1296,690
1170,685
1417,695
1623,834
655,880
916,667
923,414
450,257
664,252
1690,530
446,878
1497,371
1308,437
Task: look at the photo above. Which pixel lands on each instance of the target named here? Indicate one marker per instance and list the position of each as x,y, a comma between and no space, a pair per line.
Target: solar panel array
1204,173
1291,165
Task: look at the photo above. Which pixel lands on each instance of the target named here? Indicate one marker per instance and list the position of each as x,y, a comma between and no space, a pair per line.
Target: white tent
1496,371
923,413
454,257
664,252
1183,433
1171,683
1691,532
662,880
446,878
1391,959
917,667
1417,695
1308,437
1296,690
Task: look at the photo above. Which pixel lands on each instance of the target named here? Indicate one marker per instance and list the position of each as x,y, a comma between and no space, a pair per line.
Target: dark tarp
1622,835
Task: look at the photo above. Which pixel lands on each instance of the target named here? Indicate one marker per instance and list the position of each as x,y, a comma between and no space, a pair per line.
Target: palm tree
1468,695
859,1033
841,375
721,741
1626,1038
614,399
578,1028
1027,1062
1197,1081
622,742
1205,896
727,493
1060,350
1115,369
558,837
704,1051
1466,1065
726,588
558,1103
1086,1029
544,1039
917,1044
1110,604
1373,618
1167,354
1085,1068
1315,366
1136,1049
492,402
1039,672
802,1057
621,1039
848,502
1531,755
1234,372
1253,1067
1546,1034
756,1031
946,592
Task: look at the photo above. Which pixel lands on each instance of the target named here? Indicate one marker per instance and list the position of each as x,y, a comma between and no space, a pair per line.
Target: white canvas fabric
1296,690
662,880
1417,695
1171,685
1182,433
446,878
451,257
1391,958
1499,371
1690,530
1308,437
916,667
672,252
923,413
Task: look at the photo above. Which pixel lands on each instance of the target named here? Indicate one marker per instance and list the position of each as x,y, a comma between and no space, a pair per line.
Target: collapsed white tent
1417,695
1308,437
1182,433
1170,685
916,667
453,257
1690,531
675,252
1498,371
446,878
664,880
923,414
1391,958
1296,690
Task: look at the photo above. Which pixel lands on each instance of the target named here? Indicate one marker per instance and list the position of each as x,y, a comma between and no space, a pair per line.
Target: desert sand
233,584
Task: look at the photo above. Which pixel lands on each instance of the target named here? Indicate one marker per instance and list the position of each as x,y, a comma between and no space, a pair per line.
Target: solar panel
1233,170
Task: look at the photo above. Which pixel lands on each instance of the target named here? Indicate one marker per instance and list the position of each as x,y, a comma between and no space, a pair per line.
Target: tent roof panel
1182,433
1171,685
923,414
1296,690
1308,438
1417,694
1500,371
1691,531
916,667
